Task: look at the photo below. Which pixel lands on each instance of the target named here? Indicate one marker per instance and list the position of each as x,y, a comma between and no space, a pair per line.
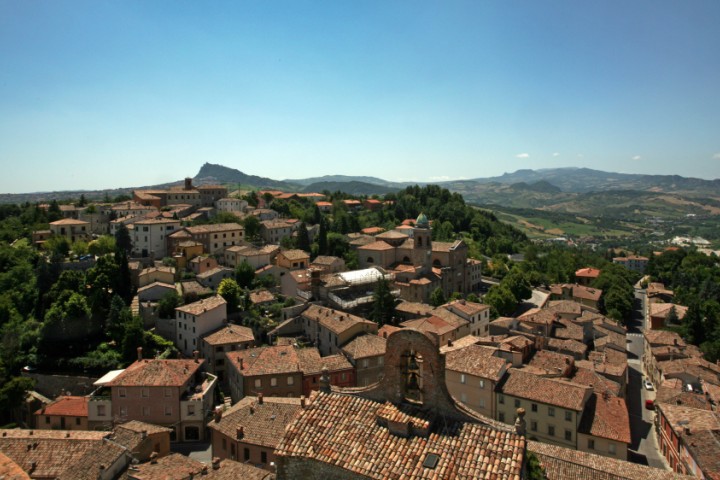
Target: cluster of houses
329,393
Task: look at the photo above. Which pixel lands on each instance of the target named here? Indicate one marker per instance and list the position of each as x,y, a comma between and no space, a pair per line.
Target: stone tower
422,244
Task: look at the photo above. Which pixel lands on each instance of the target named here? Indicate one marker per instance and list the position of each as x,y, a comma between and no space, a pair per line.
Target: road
644,446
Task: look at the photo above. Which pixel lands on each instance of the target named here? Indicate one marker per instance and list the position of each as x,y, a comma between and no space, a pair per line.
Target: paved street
644,446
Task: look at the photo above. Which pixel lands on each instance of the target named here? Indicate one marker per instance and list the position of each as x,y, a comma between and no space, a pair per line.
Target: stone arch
370,260
436,263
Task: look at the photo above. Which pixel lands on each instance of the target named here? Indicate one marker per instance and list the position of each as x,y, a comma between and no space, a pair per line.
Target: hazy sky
99,94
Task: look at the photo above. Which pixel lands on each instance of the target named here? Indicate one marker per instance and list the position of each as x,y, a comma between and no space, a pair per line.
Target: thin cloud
556,154
636,157
522,155
717,156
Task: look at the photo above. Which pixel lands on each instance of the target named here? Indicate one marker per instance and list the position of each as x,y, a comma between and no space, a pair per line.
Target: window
591,444
246,454
263,457
101,410
551,430
551,411
291,381
482,383
224,444
482,403
568,435
168,410
533,426
343,376
168,392
517,403
462,378
123,411
273,382
47,419
146,411
145,392
191,409
463,397
365,362
533,407
258,383
501,399
501,416
122,393
568,416
611,448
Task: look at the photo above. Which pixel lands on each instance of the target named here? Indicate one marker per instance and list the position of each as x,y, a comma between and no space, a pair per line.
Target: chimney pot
215,463
302,401
139,353
196,355
260,398
153,457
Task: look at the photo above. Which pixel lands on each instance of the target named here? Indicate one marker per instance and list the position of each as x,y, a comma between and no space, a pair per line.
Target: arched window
436,263
370,260
406,259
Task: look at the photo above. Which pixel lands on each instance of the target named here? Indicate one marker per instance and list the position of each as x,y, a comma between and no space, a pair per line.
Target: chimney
252,410
302,401
204,470
260,398
241,364
143,434
687,430
215,463
33,466
139,352
218,413
153,457
239,432
196,355
325,381
450,343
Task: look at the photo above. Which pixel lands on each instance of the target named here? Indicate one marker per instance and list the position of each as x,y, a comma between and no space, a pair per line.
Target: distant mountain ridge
213,173
345,178
351,187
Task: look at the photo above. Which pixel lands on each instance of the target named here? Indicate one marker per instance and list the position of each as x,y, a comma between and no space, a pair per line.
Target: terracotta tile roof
160,268
609,356
139,427
202,306
189,287
230,470
157,221
336,321
348,433
449,317
567,464
588,272
87,467
230,334
378,245
170,467
476,360
392,235
66,406
52,451
663,337
442,246
663,309
672,391
386,330
325,260
569,330
467,307
272,224
295,254
586,293
518,341
606,416
214,228
461,342
600,384
229,272
69,221
311,363
564,306
698,367
323,204
9,470
541,317
553,363
157,373
372,230
364,346
694,419
414,308
263,423
277,359
545,390
261,296
433,324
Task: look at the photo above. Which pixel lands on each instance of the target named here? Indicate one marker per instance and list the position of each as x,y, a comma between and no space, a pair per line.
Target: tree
12,396
501,300
118,316
244,274
303,239
167,305
322,237
102,245
132,339
383,303
437,297
230,291
518,284
122,239
252,226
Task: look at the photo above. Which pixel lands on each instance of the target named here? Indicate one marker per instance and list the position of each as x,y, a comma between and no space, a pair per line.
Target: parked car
649,404
648,384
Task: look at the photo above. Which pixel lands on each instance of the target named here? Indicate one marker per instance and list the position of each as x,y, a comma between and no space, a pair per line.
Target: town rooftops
262,422
325,260
606,416
277,359
550,391
467,307
663,337
69,221
350,433
392,235
202,306
663,309
553,363
364,346
157,373
414,308
261,296
600,384
214,228
295,254
587,272
378,245
432,324
336,321
230,334
67,406
476,360
157,221
311,363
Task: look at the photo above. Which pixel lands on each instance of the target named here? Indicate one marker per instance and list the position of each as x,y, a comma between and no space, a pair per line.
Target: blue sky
101,94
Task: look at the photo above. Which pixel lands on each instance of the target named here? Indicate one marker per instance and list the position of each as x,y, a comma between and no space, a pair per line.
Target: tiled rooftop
364,346
553,363
336,321
261,296
295,254
171,467
432,324
544,390
466,307
311,362
277,359
343,431
202,306
214,228
606,416
476,360
66,406
230,334
262,423
157,373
